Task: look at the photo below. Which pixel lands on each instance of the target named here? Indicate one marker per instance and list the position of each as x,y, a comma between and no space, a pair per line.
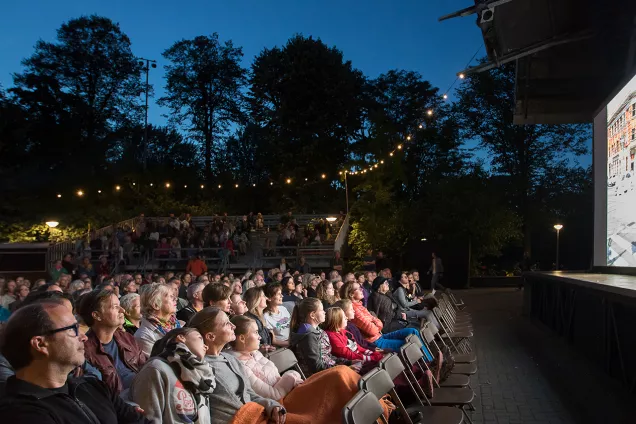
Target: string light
271,183
254,185
202,186
399,146
59,196
185,186
219,185
323,176
375,166
445,96
340,173
99,192
429,113
382,162
116,188
167,185
408,138
80,193
420,126
235,185
134,183
288,180
462,76
306,179
150,184
391,154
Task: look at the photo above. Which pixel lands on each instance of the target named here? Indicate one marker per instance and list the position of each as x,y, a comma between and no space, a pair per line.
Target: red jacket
197,267
129,352
369,326
346,347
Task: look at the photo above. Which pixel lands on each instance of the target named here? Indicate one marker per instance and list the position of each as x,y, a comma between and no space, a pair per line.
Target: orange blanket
319,400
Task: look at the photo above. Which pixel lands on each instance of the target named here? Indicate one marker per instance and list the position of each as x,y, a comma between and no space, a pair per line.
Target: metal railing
341,238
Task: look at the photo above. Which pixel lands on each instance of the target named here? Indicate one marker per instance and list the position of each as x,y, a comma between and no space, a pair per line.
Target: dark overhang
570,55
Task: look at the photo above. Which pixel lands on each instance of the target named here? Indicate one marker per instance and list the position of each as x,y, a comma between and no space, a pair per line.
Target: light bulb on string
134,183
306,179
288,180
323,176
399,146
340,172
202,186
420,126
99,192
80,193
382,162
116,188
462,76
375,166
271,183
185,186
167,185
429,112
408,138
391,154
150,184
59,196
254,185
219,185
445,96
235,185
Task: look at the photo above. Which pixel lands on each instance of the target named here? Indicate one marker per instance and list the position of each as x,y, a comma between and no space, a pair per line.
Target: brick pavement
510,386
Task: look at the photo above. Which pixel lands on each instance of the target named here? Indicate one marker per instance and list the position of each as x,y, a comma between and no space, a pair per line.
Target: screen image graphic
621,179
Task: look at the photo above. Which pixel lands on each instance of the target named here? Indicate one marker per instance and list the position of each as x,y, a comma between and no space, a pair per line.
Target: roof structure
570,55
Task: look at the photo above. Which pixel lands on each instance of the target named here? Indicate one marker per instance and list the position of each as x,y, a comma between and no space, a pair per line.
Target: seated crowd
187,348
178,239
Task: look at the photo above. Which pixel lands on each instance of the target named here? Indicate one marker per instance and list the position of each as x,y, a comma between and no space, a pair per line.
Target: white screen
620,184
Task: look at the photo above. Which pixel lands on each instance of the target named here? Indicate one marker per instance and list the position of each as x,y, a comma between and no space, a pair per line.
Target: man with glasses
114,352
195,297
43,344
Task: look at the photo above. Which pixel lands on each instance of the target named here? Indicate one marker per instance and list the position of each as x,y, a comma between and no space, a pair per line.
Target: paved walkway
510,386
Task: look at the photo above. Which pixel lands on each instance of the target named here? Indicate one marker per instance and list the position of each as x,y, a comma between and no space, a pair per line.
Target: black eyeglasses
74,327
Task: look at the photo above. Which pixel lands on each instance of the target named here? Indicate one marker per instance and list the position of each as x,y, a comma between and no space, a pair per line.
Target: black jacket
80,401
387,310
186,313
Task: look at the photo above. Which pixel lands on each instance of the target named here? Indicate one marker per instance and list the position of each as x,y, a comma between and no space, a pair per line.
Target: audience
108,347
131,303
277,318
256,304
43,344
175,385
217,295
158,308
195,298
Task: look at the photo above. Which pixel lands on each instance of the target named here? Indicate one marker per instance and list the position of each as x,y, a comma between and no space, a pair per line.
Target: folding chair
284,359
459,374
461,319
445,396
378,382
428,335
457,338
363,408
459,304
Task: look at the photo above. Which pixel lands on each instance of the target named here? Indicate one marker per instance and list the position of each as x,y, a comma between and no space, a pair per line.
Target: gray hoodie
233,389
161,395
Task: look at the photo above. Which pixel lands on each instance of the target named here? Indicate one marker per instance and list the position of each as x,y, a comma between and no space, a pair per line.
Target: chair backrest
284,359
376,381
411,353
392,365
413,339
428,335
363,408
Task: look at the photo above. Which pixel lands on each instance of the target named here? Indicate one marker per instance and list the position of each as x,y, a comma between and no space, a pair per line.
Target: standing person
337,263
380,261
9,295
175,384
437,272
196,266
368,261
108,348
43,344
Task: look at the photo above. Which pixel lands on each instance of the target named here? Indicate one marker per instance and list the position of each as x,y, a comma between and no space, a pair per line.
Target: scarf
164,326
195,374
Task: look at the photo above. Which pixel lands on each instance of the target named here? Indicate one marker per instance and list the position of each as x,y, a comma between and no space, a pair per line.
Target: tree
520,153
307,101
76,91
203,86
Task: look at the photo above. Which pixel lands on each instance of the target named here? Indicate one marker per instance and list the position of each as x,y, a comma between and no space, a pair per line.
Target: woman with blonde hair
343,344
158,315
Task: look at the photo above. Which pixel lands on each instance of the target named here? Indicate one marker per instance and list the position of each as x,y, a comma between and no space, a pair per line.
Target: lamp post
558,228
146,68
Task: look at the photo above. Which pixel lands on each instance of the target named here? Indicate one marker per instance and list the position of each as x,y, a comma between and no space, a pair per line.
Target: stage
595,313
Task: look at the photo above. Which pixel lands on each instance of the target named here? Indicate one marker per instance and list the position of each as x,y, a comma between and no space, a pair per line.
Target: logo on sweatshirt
184,404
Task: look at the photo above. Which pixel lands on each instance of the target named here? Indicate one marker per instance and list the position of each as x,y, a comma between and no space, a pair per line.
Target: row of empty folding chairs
450,397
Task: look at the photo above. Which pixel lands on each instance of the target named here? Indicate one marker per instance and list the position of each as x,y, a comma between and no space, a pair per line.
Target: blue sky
376,35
